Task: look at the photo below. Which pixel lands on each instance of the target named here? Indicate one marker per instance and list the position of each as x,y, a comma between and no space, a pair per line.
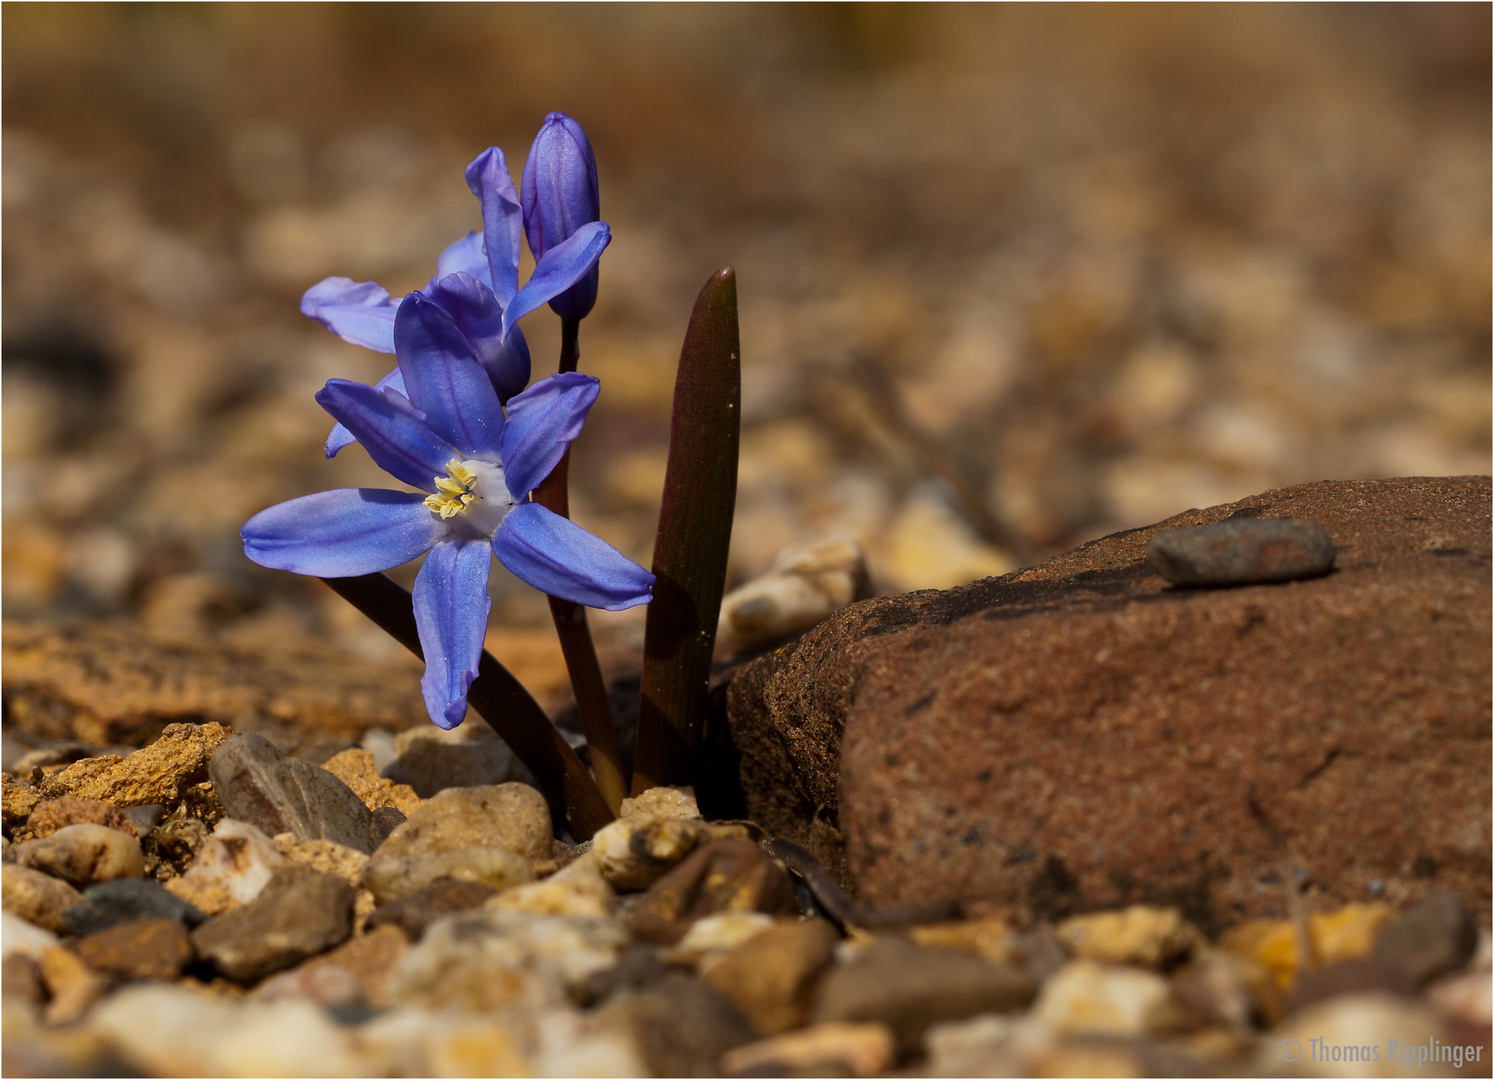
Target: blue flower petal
558,269
451,613
342,533
466,256
359,312
542,421
502,220
558,557
444,379
391,429
341,436
475,310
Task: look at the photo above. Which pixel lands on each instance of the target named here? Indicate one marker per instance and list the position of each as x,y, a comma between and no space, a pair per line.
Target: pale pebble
231,869
1092,998
36,898
390,878
635,852
1150,937
857,1049
1372,1021
662,801
83,855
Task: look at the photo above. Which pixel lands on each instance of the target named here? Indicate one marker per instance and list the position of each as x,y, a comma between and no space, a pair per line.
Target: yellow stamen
455,494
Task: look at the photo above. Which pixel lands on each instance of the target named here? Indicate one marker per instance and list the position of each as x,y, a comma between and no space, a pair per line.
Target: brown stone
771,977
110,684
37,897
148,949
413,913
17,800
724,875
54,814
370,958
909,988
355,767
159,774
1083,734
300,913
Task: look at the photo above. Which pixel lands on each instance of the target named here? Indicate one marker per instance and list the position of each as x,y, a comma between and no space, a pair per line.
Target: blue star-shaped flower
474,466
476,283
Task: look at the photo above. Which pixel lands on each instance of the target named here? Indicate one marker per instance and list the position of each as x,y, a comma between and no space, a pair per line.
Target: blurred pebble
299,913
1465,997
1362,975
429,760
113,902
1149,937
172,1031
989,939
908,988
1434,936
1218,987
677,1027
391,877
513,817
722,876
577,889
1091,998
38,898
713,935
20,935
140,949
1373,1020
71,984
804,585
1241,552
368,959
821,1050
232,867
662,801
417,910
1344,934
634,852
771,976
481,961
84,854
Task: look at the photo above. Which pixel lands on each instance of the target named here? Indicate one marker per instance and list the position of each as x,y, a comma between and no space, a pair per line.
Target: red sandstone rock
1083,733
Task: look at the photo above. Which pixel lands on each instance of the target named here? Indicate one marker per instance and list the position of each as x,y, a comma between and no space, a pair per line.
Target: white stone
635,852
806,583
19,936
723,931
1370,1021
238,857
172,1031
1083,996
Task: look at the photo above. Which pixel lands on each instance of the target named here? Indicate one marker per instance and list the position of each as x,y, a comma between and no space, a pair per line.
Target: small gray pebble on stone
1434,936
110,903
256,783
1241,551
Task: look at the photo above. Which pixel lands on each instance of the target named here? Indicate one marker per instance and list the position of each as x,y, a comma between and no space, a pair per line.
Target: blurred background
1097,265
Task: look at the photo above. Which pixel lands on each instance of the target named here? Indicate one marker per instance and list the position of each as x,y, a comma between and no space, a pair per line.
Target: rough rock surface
1082,733
300,913
104,684
159,774
277,794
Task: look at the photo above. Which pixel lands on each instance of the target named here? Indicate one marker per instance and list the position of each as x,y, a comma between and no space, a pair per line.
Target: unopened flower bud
559,195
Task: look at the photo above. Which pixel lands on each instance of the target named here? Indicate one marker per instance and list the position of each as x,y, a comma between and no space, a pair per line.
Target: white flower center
474,494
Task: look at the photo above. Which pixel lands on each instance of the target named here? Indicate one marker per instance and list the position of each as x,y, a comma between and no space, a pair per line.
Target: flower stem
572,629
499,699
